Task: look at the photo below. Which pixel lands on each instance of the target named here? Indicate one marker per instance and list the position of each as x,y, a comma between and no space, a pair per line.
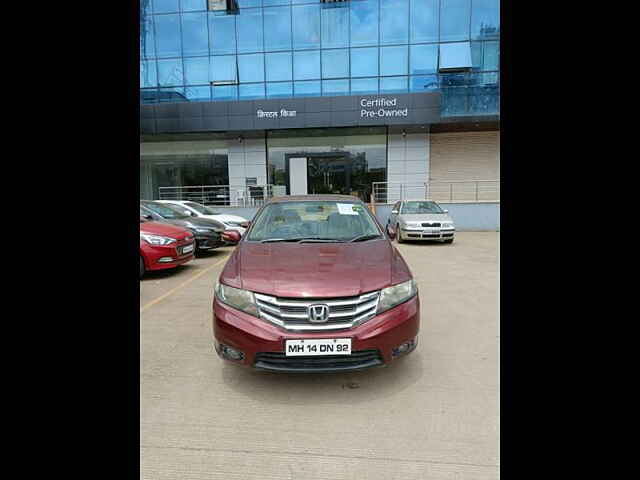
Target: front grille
292,313
328,363
436,224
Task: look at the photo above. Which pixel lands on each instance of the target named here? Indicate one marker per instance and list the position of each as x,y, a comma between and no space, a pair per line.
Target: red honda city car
315,285
163,246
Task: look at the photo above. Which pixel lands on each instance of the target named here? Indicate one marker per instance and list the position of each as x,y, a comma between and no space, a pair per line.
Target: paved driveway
431,415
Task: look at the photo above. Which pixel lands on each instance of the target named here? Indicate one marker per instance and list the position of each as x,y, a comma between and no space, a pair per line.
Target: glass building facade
263,49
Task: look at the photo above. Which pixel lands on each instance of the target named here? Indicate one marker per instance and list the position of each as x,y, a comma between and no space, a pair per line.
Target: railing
467,191
219,195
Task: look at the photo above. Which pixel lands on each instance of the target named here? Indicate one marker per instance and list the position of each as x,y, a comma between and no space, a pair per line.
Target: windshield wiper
362,238
299,240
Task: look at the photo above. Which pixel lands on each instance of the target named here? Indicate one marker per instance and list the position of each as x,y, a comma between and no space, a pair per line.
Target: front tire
398,235
142,269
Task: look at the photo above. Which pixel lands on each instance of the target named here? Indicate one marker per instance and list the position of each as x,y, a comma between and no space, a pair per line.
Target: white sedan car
231,222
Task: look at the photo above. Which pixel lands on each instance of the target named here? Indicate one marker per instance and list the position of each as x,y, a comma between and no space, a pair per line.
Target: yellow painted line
183,284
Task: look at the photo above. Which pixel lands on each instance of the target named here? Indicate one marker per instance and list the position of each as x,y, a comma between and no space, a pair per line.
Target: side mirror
231,236
391,232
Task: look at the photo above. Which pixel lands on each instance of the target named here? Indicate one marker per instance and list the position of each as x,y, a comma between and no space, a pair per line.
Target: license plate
187,248
318,347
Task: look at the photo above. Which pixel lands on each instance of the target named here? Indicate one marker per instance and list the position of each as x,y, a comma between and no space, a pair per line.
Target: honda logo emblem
318,313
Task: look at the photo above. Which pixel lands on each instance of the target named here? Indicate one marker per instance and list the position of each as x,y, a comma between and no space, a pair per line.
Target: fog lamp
404,348
229,353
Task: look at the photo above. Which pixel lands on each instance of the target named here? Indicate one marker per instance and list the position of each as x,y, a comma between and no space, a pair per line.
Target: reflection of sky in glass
196,71
364,23
251,68
165,6
306,26
305,89
275,90
168,35
335,87
485,19
393,60
423,59
364,62
424,20
364,85
222,34
249,29
277,35
306,65
335,63
170,72
278,66
195,40
335,27
394,21
454,20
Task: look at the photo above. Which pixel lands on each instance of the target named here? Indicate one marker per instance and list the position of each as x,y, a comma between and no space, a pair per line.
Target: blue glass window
491,56
249,3
424,20
147,39
282,89
165,6
191,5
251,68
364,62
227,92
198,94
455,20
170,72
270,3
364,23
195,37
393,85
222,34
306,26
149,95
394,61
485,19
171,95
249,29
168,36
364,85
335,87
251,90
223,69
423,59
335,27
306,65
335,63
423,83
148,74
306,89
196,71
455,55
278,66
394,21
277,35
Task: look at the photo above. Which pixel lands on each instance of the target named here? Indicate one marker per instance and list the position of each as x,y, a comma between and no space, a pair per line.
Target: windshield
421,207
198,207
321,220
165,210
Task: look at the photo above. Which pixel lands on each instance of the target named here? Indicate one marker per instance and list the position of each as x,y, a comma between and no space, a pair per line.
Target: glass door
329,174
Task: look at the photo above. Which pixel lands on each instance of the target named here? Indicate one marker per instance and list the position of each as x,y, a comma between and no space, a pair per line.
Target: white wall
408,163
246,159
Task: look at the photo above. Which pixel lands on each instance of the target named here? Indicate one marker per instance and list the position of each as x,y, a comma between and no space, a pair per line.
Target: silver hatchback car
421,220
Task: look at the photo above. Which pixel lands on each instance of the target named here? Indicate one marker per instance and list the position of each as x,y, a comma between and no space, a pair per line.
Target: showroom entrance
338,173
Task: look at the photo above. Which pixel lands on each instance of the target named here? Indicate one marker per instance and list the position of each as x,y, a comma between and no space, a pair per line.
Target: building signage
381,107
282,113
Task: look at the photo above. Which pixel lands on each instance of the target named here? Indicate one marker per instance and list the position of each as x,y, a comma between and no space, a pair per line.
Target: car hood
168,230
426,217
315,270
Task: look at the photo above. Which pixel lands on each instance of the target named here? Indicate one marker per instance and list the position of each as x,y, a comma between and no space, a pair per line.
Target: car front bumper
153,254
207,241
263,344
428,234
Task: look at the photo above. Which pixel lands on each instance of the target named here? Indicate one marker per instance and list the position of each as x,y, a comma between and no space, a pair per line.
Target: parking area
431,415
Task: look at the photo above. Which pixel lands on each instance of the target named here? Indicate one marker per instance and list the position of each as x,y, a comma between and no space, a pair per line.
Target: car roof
314,198
418,200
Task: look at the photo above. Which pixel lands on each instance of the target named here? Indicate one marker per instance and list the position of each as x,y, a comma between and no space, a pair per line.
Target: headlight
447,224
156,239
392,296
237,298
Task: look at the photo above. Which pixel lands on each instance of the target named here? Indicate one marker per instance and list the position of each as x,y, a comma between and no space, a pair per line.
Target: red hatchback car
163,246
315,285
